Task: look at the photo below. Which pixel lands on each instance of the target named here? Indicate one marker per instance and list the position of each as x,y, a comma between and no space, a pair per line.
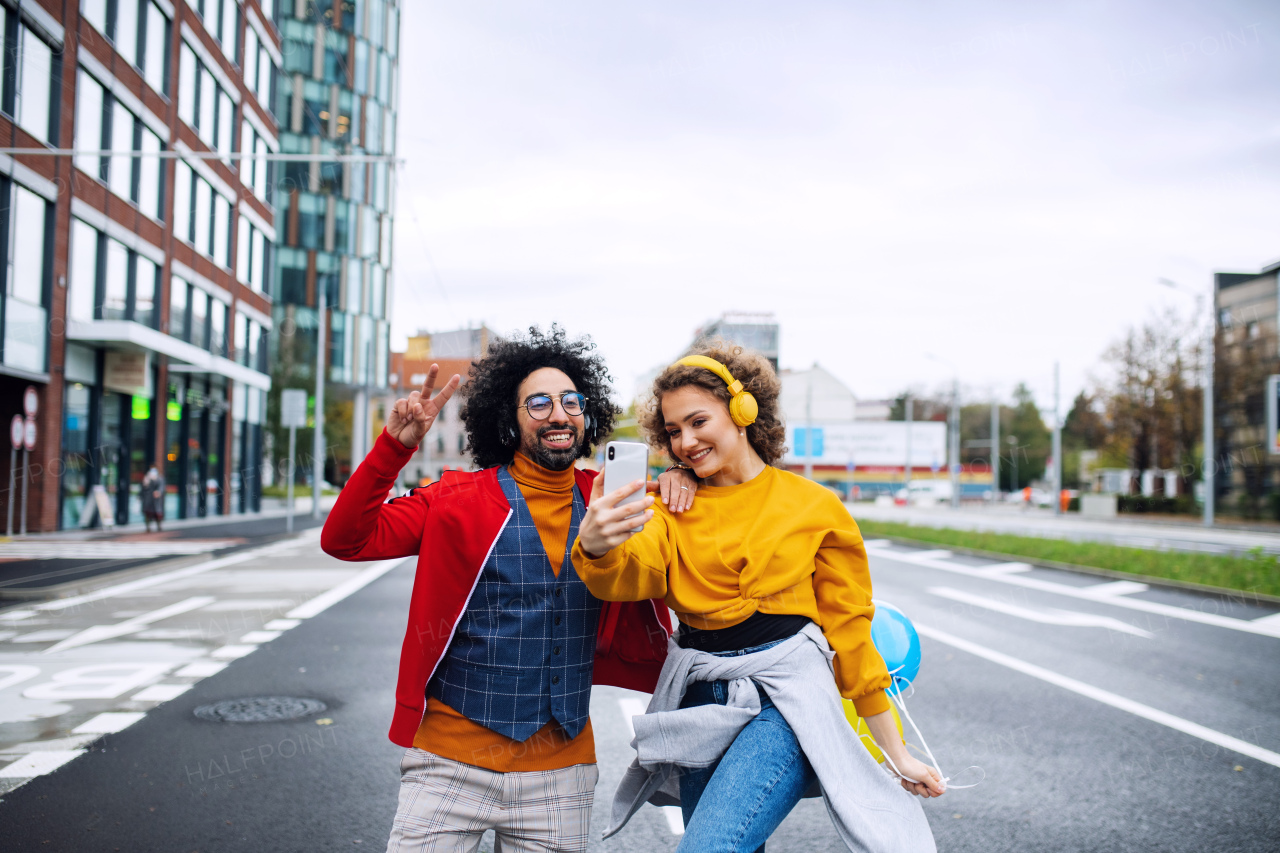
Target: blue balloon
898,643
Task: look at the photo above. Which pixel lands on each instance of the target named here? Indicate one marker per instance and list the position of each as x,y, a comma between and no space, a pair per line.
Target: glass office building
337,95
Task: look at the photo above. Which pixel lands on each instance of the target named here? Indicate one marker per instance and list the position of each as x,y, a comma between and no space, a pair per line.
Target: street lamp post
1209,463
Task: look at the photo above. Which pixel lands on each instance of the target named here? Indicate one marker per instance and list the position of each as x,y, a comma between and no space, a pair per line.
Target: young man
503,636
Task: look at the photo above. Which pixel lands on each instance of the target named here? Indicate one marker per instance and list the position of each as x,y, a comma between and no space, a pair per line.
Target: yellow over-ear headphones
743,407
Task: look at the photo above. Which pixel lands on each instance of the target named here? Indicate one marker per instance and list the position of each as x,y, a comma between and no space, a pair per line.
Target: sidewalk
1127,531
272,508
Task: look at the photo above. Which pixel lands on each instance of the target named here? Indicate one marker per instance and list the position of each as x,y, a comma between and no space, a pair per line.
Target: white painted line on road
94,633
16,615
877,543
1117,588
282,624
259,636
1106,697
165,577
161,692
108,723
631,707
931,555
1005,568
325,600
47,636
38,763
675,819
1068,618
201,669
1254,627
232,652
62,744
1269,621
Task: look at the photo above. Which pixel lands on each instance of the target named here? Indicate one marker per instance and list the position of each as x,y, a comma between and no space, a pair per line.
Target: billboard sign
870,443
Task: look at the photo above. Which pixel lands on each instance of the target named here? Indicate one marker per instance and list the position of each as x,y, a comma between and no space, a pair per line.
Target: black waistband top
756,630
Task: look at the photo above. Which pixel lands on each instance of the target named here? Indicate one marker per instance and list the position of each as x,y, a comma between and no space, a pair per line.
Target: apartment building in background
337,95
136,297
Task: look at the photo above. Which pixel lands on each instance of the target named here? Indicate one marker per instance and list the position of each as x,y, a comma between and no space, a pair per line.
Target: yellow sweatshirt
777,543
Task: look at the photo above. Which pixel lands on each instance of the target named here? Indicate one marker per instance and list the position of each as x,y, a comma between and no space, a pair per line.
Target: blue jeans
735,805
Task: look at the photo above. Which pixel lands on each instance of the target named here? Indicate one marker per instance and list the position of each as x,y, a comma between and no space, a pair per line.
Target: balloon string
900,700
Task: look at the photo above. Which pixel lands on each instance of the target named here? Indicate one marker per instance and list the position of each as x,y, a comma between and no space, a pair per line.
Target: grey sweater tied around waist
870,810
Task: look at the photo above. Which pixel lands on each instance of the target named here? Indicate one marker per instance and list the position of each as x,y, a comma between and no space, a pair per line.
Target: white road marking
259,636
166,577
108,723
251,604
232,652
920,558
94,633
325,600
38,763
1269,621
1106,697
17,615
110,550
43,636
201,669
1068,618
1005,568
877,543
282,624
161,692
1117,588
631,707
62,744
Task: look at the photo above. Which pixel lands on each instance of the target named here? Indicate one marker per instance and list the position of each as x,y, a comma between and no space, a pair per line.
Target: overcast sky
996,184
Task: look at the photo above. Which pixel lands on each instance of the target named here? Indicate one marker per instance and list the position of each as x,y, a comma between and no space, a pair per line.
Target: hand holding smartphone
626,462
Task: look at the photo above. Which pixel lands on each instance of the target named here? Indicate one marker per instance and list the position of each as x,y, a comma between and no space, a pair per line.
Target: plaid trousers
446,806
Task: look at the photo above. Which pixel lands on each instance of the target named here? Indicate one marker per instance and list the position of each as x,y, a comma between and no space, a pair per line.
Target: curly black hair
489,394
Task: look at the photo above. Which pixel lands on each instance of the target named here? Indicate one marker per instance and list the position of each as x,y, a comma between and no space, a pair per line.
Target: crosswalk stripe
38,763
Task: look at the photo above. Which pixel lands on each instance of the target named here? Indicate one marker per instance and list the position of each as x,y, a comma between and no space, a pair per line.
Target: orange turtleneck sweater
447,733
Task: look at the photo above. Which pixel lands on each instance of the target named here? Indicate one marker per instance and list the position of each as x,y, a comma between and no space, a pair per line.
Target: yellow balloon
863,732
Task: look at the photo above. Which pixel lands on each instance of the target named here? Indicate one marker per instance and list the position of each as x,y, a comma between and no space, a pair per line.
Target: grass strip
1254,571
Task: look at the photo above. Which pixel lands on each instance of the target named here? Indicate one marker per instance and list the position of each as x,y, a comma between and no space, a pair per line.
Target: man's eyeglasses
539,406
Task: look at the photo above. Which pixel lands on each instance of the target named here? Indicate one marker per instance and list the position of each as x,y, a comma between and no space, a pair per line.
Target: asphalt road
1132,531
1103,718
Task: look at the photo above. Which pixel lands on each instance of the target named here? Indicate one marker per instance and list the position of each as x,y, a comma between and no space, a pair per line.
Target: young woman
769,578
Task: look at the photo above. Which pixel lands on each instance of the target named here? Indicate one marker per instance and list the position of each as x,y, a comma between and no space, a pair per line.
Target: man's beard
555,460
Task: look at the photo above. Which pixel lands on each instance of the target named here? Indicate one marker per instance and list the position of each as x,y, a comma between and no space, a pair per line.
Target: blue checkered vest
523,650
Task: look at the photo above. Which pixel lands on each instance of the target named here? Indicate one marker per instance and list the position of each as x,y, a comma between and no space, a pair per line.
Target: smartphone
626,462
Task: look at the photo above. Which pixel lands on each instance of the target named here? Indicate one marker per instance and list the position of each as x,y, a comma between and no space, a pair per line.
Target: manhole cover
259,709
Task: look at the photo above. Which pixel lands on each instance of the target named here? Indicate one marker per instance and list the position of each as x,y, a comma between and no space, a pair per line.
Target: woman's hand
916,776
411,417
909,768
676,487
606,526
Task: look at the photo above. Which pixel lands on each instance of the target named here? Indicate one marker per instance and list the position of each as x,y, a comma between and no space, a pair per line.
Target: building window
103,123
199,318
217,327
33,87
25,219
155,53
110,281
140,32
251,255
203,104
179,322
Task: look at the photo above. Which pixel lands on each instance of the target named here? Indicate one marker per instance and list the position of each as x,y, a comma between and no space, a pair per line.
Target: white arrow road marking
1005,568
633,707
923,558
94,633
1106,697
1051,617
1117,588
1269,621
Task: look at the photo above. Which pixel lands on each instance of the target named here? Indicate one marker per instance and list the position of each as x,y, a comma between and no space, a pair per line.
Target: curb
1168,583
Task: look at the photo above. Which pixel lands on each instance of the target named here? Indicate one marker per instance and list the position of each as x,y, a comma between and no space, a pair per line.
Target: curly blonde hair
767,435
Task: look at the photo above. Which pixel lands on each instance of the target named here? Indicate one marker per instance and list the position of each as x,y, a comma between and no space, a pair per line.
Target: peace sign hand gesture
410,418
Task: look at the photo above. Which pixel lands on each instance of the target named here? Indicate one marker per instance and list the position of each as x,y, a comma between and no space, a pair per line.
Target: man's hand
676,487
606,526
411,417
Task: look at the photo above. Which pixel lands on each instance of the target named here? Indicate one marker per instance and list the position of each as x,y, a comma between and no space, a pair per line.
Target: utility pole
1210,461
955,444
808,430
995,451
1057,445
317,446
906,469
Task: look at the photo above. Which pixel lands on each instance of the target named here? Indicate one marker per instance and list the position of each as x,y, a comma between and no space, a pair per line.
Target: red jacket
451,526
